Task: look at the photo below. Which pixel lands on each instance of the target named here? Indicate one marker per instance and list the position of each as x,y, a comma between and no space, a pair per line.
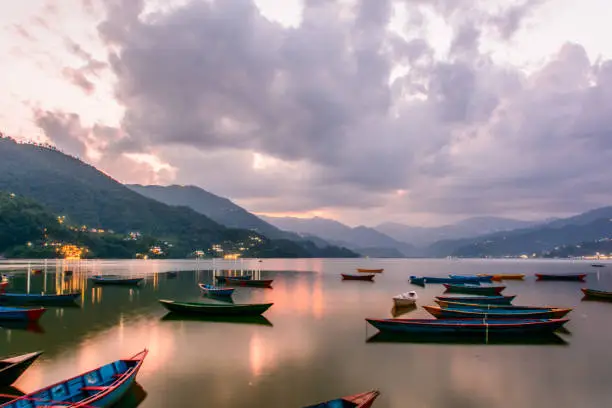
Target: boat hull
578,277
481,300
506,276
21,314
101,387
477,290
260,283
476,278
404,302
221,292
363,400
597,294
12,368
369,277
365,270
434,279
100,280
459,305
38,299
464,313
467,326
203,309
222,279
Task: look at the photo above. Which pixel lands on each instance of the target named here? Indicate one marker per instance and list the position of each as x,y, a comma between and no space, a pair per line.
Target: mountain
595,225
219,209
69,187
471,227
358,239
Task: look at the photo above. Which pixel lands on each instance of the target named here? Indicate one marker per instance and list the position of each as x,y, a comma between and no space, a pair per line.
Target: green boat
215,309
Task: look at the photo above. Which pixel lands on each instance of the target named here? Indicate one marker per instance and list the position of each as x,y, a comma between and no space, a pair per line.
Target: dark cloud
294,119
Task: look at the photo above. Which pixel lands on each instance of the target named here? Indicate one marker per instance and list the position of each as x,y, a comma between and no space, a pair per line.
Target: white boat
405,299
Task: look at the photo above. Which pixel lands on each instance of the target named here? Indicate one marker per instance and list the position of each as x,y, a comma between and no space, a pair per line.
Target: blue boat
39,298
434,279
482,278
221,279
481,300
363,400
484,313
474,289
21,314
212,290
468,326
101,387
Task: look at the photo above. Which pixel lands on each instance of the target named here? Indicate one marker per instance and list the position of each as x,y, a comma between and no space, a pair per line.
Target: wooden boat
461,305
216,309
21,314
39,298
474,289
405,299
597,294
482,300
363,400
36,271
434,279
369,277
483,313
477,278
101,387
11,368
505,276
561,277
222,279
365,270
171,275
114,280
259,283
211,290
469,338
598,265
468,326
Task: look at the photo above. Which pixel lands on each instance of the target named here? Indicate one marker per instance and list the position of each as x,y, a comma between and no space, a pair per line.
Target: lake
313,343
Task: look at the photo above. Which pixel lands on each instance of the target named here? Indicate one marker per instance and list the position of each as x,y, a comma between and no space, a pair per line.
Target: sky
422,112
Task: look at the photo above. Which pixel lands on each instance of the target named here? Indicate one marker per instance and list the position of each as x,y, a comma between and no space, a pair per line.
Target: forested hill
69,187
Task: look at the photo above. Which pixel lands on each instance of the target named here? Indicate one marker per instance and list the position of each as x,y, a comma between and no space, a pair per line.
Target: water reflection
550,339
257,320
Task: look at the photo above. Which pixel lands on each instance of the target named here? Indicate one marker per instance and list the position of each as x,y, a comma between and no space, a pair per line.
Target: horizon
385,111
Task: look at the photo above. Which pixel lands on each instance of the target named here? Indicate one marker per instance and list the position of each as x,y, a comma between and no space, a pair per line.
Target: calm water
313,343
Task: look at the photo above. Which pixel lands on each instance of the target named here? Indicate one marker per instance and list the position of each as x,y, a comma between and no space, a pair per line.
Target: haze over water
312,345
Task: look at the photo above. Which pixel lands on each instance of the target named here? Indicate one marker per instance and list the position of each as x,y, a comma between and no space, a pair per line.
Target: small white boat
405,299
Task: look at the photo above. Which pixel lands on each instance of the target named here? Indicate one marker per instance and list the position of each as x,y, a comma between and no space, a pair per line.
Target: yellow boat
504,276
364,270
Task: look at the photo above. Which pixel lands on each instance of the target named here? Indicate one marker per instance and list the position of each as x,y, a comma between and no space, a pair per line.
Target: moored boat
597,293
484,313
21,314
115,280
405,299
211,290
11,368
455,305
258,283
483,300
216,309
505,276
39,298
477,278
468,326
222,278
415,280
598,265
369,277
365,270
435,279
474,289
100,387
363,400
561,276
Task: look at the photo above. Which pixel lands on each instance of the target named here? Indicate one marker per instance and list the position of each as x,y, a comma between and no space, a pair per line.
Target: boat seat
94,388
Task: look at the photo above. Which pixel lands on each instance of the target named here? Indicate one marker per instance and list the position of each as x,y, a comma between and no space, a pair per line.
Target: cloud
210,86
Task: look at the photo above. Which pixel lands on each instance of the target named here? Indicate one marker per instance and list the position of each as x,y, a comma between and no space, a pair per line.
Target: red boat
363,400
561,277
369,277
259,283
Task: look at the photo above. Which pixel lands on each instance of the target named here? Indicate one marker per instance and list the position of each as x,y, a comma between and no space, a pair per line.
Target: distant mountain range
69,187
471,227
365,240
